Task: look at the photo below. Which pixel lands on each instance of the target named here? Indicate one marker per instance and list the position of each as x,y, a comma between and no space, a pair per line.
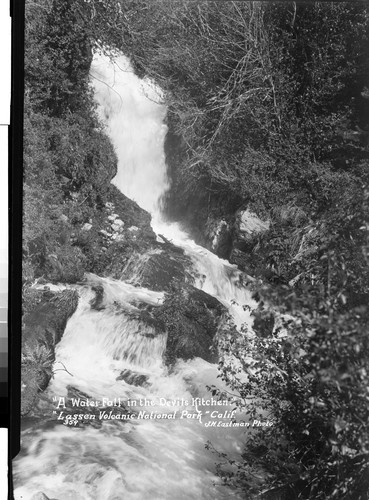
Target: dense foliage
68,160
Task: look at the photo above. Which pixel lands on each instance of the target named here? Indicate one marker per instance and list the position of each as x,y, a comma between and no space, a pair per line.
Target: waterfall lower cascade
163,456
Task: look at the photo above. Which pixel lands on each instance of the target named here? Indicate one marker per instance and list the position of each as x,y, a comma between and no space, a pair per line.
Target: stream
154,458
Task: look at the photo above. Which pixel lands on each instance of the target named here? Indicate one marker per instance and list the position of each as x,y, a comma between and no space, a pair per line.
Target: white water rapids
136,459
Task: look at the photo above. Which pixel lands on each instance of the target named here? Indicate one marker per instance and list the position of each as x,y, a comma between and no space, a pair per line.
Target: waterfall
133,111
106,351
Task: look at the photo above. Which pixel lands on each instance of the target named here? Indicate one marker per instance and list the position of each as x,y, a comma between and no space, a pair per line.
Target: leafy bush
312,382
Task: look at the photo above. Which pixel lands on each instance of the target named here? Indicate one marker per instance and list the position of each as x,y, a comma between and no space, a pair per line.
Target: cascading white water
136,459
133,112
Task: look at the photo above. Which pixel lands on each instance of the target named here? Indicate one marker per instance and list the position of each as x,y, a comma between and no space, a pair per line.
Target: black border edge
15,228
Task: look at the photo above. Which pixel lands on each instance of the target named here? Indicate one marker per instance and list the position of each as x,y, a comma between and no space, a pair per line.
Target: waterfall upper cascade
156,459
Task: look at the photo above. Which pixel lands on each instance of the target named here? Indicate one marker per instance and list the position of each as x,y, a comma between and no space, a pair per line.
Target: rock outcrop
130,212
191,318
158,268
247,225
43,327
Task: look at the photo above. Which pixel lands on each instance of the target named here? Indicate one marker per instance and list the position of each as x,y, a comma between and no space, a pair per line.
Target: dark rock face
145,315
43,328
97,303
46,323
158,269
133,378
219,236
191,317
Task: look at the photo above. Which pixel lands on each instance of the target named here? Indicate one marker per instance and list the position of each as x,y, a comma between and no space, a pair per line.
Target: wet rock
168,245
43,327
146,317
191,317
46,323
98,302
158,269
204,299
133,378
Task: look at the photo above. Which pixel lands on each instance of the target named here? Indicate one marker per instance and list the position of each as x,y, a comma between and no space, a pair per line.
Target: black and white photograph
195,251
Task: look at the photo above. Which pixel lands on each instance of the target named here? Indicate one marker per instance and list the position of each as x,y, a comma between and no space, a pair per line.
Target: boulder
46,323
191,318
158,269
43,327
97,303
145,315
133,378
247,225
